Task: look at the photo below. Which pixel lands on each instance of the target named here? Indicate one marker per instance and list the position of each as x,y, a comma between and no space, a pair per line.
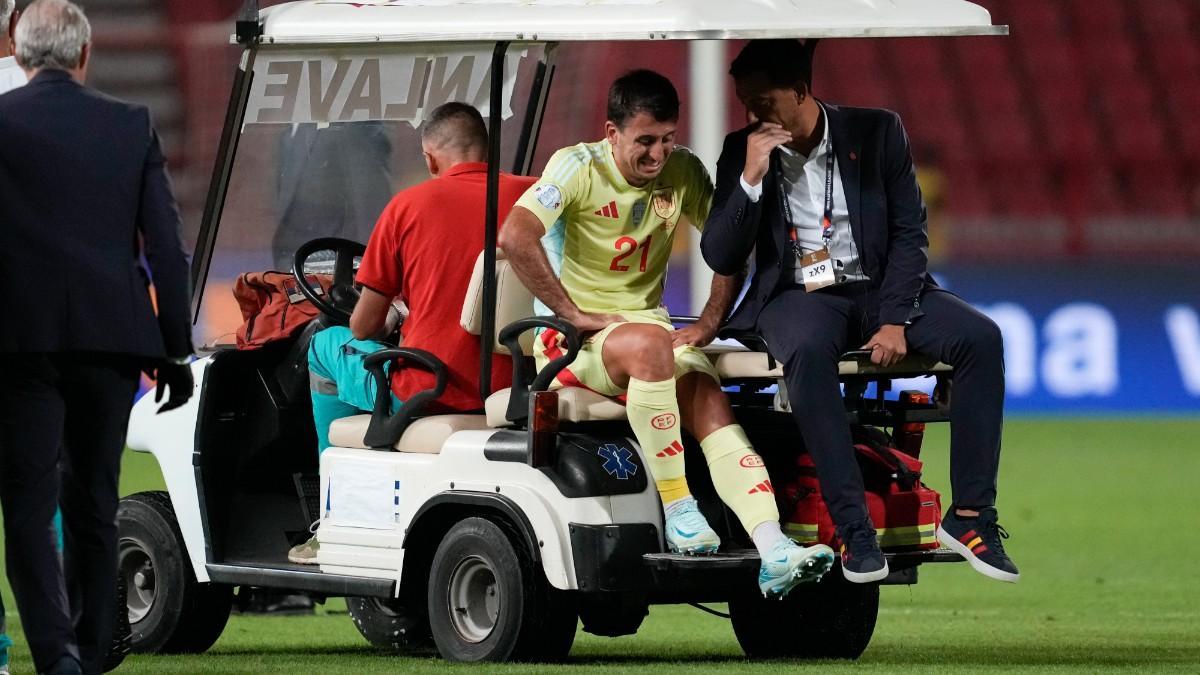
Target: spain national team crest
664,202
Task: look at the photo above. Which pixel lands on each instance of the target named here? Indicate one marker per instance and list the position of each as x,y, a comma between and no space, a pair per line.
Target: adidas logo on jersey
609,211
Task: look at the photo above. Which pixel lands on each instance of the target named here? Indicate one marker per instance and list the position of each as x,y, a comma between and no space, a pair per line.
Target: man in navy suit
84,194
827,197
11,77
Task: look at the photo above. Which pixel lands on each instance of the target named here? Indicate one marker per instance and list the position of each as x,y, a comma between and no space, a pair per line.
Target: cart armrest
386,427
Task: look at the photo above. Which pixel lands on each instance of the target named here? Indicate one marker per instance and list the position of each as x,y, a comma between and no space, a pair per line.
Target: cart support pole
218,186
706,131
487,332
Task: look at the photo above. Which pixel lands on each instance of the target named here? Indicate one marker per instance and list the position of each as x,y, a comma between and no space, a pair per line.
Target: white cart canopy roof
376,21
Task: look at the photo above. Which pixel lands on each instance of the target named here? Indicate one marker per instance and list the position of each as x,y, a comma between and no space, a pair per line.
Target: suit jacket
333,182
84,193
887,216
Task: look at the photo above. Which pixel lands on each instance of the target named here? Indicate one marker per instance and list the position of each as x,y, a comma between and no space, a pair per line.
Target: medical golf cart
489,535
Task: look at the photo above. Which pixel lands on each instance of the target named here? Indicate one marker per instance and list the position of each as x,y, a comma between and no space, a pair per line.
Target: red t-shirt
423,249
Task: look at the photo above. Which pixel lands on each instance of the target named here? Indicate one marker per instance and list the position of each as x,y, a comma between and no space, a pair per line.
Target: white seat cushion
745,365
513,302
574,405
426,434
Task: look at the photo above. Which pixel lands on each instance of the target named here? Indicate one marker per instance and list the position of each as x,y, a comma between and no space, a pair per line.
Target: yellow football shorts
588,371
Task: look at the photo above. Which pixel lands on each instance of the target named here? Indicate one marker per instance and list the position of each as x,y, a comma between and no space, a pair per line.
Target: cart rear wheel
390,624
831,619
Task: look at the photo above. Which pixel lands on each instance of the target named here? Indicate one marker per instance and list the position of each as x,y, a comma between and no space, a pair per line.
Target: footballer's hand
888,345
699,334
759,145
590,322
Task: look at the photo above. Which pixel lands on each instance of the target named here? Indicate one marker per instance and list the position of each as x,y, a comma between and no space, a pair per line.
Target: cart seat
515,302
733,362
575,404
426,434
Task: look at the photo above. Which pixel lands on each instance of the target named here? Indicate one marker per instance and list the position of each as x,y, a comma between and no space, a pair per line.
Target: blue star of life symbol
616,461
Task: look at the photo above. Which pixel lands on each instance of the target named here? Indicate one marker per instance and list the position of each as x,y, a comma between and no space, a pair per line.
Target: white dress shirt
11,75
804,185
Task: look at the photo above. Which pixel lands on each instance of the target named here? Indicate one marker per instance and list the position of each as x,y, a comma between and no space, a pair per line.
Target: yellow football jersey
607,240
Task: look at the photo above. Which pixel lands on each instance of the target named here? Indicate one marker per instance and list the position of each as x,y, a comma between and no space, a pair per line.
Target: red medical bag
273,307
905,511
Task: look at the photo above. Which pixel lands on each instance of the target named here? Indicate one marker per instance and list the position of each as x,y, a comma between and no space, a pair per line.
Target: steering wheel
339,302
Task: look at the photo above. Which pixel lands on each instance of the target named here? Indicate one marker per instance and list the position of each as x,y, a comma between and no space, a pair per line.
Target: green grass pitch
1103,515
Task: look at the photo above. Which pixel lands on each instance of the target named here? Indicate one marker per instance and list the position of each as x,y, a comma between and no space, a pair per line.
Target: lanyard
826,220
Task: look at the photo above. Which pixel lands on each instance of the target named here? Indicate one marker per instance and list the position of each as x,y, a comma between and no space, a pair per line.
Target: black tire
391,624
832,619
169,611
490,601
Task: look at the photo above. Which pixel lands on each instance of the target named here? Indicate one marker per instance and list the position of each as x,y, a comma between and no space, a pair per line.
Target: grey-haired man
85,194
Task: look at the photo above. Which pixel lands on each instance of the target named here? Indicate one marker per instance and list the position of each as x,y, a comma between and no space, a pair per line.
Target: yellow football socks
653,412
740,477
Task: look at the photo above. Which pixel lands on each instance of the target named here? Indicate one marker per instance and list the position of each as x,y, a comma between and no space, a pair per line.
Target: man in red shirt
422,251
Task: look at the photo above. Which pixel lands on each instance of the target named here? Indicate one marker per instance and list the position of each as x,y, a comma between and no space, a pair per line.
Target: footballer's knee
641,351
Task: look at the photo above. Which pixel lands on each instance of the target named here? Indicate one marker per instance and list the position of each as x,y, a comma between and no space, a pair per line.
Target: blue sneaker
862,561
788,565
980,541
687,530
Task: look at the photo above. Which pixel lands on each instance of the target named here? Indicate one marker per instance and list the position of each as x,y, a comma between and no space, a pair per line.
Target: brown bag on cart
273,308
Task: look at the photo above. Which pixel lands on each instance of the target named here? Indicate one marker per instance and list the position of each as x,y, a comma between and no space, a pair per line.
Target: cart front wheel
489,601
169,611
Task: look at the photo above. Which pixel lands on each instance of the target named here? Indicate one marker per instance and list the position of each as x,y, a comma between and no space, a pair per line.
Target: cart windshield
329,136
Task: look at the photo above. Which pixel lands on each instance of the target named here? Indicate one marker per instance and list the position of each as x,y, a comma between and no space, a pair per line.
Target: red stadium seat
1007,139
1113,56
1174,18
998,95
1035,20
964,191
1121,97
920,57
1172,56
1156,188
1023,190
982,58
1139,139
1068,142
847,58
1183,100
1098,18
1102,194
1052,63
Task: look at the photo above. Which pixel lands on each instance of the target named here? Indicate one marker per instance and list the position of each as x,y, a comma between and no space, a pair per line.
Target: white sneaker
306,553
788,565
687,530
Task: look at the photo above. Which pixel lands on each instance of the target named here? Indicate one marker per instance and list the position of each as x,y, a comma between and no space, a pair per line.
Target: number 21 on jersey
627,246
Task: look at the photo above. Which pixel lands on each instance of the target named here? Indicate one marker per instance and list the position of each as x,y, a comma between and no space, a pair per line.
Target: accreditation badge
816,269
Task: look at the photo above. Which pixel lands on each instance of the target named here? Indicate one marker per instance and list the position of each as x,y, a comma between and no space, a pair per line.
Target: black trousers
73,408
807,332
